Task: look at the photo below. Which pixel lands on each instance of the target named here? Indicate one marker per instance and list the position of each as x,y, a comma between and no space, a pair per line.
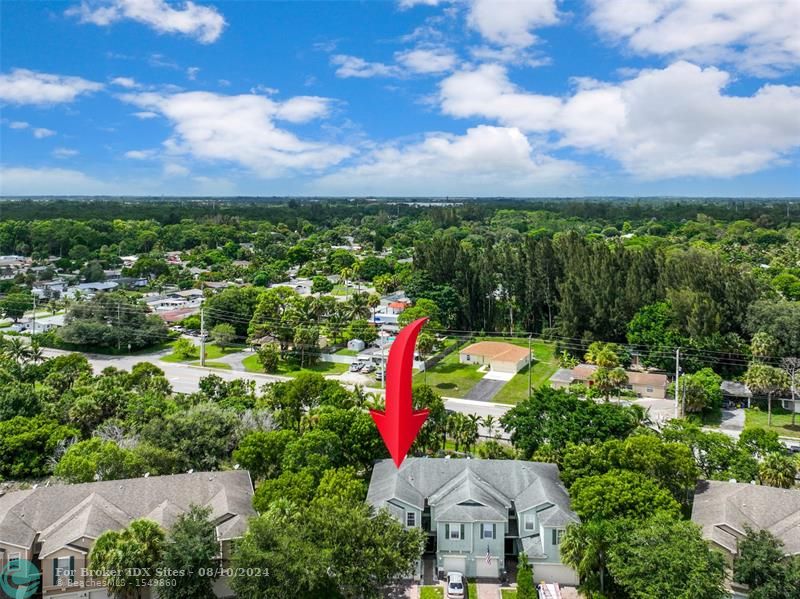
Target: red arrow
399,424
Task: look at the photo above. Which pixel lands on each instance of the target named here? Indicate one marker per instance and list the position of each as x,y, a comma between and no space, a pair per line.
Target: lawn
346,352
213,352
472,589
220,365
545,364
781,420
508,593
431,593
449,377
251,364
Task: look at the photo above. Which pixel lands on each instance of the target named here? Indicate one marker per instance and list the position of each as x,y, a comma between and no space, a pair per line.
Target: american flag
488,555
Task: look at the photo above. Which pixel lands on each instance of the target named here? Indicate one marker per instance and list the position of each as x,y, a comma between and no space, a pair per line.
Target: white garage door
484,570
455,564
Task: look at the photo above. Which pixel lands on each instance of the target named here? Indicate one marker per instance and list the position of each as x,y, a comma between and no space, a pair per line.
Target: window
557,534
649,389
63,567
529,522
14,557
454,532
488,531
411,519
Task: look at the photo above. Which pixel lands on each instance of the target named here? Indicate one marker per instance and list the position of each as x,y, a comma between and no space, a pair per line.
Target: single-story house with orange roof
499,355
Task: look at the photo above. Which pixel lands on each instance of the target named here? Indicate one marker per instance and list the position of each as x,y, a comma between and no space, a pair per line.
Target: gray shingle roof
447,484
61,514
735,389
723,509
562,375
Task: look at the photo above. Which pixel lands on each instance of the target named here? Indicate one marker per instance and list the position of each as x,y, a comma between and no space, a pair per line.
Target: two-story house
479,514
55,527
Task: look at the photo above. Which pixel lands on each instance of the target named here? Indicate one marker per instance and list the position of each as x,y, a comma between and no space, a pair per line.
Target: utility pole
33,330
683,402
677,376
119,326
202,336
530,367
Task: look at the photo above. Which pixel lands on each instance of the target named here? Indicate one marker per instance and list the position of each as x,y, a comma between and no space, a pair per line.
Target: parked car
367,368
356,366
379,375
455,585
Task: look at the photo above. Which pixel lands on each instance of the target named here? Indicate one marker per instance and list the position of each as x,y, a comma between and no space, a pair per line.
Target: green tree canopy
621,494
667,557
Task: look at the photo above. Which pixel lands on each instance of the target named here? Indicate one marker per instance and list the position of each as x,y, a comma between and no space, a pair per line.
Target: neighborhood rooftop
496,350
726,509
59,515
500,482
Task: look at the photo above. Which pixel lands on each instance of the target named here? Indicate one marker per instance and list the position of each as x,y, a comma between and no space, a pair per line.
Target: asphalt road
186,379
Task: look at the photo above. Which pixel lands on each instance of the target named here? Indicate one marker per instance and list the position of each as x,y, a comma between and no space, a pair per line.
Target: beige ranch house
498,355
644,384
55,527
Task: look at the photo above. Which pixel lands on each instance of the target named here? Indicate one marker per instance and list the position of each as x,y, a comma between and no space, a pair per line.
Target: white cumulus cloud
662,123
427,60
510,22
126,82
302,109
65,152
42,132
761,36
203,23
241,129
22,86
353,66
486,160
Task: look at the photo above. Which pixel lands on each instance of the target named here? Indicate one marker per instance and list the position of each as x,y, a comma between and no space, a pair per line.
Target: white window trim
453,532
529,518
413,517
17,555
488,530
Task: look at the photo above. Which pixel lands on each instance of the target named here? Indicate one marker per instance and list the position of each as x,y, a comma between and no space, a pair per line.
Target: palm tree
345,274
355,270
357,306
792,368
36,355
17,350
609,380
488,423
777,470
766,380
455,428
373,301
120,553
471,430
336,323
584,547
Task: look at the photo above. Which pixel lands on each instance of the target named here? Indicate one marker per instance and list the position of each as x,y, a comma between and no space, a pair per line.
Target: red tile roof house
55,527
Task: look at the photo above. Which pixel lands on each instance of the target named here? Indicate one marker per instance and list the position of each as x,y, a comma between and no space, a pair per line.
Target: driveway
732,421
234,360
484,390
488,590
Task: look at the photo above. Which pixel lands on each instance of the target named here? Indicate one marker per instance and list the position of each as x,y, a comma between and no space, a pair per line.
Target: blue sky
403,97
